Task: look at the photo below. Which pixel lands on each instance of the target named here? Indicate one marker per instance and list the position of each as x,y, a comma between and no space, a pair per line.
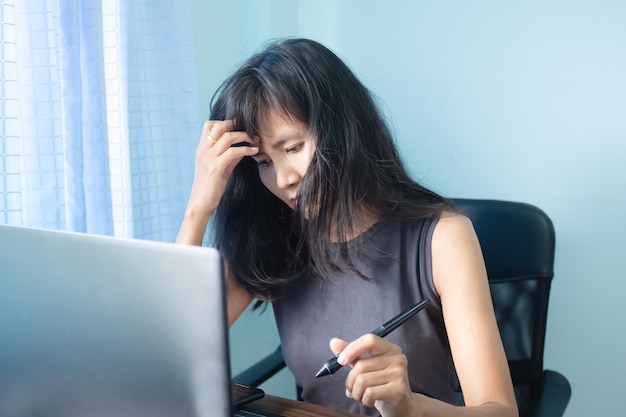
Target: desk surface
291,408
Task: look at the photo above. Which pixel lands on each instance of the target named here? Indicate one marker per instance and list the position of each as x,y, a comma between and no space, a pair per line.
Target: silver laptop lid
99,326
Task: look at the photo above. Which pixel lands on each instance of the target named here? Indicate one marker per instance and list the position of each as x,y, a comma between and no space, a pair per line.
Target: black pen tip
322,372
330,367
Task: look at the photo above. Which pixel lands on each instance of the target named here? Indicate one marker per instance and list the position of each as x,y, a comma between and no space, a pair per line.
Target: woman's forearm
192,228
431,407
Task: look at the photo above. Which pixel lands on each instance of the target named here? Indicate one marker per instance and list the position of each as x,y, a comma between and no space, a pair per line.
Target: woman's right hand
215,161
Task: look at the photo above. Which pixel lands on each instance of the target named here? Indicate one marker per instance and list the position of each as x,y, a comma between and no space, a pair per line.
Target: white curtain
99,115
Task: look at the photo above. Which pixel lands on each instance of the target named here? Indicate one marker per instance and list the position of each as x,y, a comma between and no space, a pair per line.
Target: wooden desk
291,408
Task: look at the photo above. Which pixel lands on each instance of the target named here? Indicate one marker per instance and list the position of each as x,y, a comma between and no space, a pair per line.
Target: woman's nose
286,177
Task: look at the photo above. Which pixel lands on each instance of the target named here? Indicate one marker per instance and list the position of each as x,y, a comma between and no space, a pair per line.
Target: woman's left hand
379,376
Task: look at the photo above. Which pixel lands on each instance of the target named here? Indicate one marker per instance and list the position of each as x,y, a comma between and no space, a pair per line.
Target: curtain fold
83,105
33,170
99,115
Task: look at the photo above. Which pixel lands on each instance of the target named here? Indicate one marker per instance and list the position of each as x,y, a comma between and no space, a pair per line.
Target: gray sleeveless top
310,311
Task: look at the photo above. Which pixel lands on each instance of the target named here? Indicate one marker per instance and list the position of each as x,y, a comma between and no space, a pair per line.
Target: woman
314,212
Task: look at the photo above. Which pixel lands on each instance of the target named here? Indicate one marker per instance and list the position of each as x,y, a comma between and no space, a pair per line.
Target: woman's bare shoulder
453,229
455,251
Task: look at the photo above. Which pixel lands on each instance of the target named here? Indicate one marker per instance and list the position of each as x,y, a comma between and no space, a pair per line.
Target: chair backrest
518,241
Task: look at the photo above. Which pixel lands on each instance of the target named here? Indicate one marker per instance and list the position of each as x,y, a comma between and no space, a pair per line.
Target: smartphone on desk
244,394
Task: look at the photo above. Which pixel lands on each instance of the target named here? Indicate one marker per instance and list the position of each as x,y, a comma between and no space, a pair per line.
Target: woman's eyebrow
279,143
286,137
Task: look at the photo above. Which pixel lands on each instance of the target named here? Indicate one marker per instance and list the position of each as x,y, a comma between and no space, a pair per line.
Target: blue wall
511,100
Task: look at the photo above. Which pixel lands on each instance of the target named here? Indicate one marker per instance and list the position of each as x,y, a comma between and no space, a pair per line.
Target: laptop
100,326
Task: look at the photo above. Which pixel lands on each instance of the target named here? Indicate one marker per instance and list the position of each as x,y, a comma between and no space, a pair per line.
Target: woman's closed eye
262,163
294,148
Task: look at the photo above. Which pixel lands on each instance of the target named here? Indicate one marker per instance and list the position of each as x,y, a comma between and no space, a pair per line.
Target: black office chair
517,241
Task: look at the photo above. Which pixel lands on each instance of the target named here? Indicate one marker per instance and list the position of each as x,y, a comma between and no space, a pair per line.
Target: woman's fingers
337,345
216,128
222,132
366,345
378,379
379,370
219,136
216,158
206,134
391,365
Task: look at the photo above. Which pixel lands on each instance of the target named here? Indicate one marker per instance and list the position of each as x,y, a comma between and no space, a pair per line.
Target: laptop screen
101,326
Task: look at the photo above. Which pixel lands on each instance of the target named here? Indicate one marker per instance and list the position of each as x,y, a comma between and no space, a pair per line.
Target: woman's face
286,149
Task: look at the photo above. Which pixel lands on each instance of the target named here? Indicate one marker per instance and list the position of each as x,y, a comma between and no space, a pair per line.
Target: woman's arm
215,161
238,298
460,278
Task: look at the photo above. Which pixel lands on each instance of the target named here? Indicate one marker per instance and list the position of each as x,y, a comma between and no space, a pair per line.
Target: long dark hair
355,168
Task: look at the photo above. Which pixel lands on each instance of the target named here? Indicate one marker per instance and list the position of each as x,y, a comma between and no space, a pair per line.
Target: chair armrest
553,397
262,370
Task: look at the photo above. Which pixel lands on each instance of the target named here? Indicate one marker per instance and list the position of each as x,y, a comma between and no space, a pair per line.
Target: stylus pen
331,366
